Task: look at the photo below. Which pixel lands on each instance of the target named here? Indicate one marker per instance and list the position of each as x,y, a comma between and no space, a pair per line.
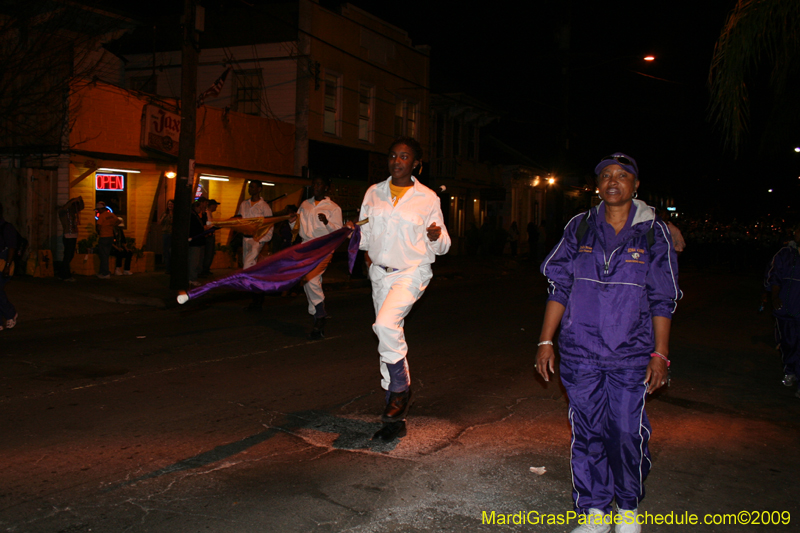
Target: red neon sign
109,182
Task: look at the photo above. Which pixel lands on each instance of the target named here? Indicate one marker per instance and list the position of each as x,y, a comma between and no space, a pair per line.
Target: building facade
348,82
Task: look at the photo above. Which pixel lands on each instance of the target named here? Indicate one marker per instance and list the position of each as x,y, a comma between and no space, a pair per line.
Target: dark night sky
507,55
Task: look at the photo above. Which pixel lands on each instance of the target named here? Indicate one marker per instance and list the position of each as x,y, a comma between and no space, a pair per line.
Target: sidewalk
51,298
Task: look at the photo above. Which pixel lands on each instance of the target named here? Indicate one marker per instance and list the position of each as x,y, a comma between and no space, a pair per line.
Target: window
412,112
472,142
456,138
366,96
406,116
333,96
439,146
145,84
247,91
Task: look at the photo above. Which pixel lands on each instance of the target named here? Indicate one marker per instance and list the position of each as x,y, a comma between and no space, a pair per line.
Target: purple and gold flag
284,269
257,226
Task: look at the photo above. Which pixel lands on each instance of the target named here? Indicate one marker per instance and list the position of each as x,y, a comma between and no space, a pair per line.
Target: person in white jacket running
404,235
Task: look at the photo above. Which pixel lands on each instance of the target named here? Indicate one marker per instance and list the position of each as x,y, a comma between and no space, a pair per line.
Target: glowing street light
649,58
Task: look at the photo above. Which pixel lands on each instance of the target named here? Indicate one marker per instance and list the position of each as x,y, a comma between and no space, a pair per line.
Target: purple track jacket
611,295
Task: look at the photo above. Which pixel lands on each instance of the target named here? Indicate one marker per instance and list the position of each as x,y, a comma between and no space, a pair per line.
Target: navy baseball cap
618,158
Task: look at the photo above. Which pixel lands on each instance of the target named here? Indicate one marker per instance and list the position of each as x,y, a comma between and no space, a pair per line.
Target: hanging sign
161,130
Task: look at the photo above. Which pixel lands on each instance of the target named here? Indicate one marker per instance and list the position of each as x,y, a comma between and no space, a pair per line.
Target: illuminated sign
672,209
109,182
161,130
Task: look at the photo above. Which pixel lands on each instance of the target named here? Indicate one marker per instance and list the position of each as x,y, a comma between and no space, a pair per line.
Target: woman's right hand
545,359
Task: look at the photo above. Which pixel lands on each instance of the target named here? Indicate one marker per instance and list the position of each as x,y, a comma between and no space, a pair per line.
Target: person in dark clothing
211,239
513,238
69,215
119,249
197,244
781,285
8,247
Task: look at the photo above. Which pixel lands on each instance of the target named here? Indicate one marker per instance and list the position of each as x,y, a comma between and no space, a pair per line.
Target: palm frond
756,31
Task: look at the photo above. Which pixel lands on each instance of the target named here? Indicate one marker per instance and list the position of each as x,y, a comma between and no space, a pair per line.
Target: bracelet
545,342
662,356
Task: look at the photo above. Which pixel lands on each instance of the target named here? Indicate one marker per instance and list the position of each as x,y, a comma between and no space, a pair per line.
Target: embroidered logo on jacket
585,249
636,253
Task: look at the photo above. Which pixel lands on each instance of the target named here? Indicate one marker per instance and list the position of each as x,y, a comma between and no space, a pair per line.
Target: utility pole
185,180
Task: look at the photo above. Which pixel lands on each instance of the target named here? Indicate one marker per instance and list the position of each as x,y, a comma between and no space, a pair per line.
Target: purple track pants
610,431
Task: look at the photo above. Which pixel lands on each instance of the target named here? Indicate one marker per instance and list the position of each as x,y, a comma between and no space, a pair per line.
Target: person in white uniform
404,235
253,207
318,217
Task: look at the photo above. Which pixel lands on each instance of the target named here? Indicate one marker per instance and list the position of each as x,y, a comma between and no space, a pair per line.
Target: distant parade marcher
253,207
783,284
404,235
677,237
613,288
318,216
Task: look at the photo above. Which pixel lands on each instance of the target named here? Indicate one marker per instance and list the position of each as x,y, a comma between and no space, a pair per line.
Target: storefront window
112,189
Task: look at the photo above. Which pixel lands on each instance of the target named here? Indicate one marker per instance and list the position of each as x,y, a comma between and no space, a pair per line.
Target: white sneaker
626,523
789,380
118,272
11,322
104,276
594,523
128,273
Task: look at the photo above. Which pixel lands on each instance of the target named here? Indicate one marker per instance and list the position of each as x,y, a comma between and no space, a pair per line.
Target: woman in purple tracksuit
613,289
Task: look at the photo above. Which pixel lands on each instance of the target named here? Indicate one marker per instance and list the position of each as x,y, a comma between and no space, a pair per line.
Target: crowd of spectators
738,246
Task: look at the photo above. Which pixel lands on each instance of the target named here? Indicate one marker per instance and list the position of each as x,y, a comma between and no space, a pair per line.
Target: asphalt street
204,417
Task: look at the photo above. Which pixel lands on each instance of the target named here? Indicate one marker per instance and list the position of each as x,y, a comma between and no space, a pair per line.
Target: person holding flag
317,216
404,235
255,206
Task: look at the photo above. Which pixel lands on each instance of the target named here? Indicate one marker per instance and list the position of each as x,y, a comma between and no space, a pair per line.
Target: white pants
312,285
250,251
393,295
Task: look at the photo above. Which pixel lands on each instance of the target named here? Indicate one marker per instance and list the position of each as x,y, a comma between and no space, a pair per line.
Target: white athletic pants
393,294
312,285
250,251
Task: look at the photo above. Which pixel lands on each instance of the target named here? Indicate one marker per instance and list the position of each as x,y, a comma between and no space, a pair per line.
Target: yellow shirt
397,192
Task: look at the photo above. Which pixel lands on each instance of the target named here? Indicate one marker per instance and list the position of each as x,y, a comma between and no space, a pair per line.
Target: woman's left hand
657,374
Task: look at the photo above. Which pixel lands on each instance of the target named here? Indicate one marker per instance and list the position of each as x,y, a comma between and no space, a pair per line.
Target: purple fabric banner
281,271
352,248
